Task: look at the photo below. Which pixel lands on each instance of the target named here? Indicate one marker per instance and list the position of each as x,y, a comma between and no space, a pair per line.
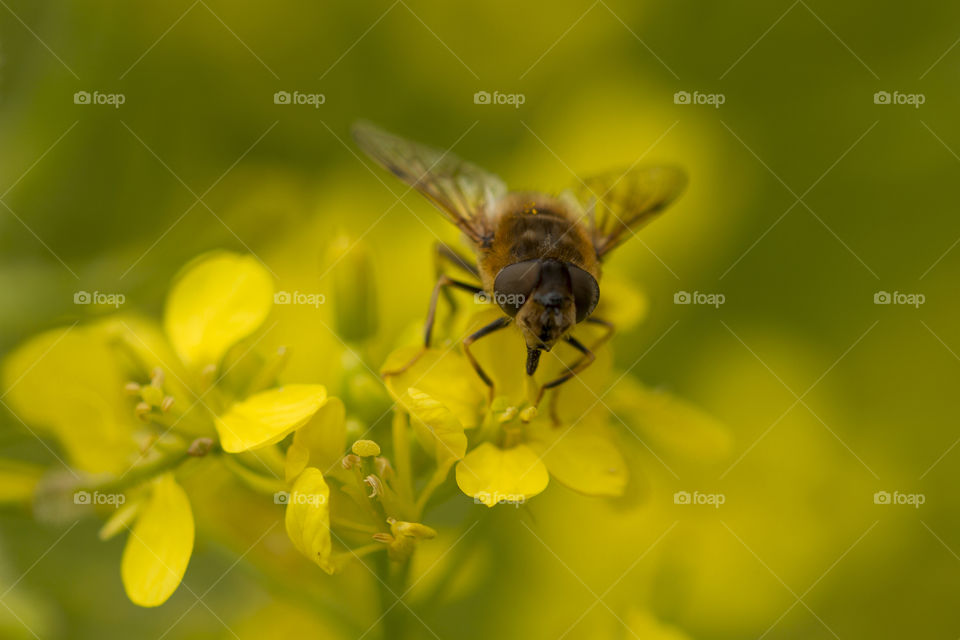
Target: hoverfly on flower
538,256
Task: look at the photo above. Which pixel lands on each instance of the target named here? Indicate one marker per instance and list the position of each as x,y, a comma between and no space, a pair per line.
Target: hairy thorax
534,226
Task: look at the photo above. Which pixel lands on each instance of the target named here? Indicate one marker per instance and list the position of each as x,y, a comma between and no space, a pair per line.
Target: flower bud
403,537
354,289
415,530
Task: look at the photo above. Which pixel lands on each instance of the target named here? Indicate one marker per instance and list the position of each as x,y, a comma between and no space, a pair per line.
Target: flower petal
308,517
67,383
159,545
492,475
321,441
436,427
267,417
582,457
669,423
219,300
443,375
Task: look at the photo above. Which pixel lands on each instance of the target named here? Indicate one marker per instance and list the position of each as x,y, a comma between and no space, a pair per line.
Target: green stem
393,584
436,480
401,454
143,472
353,526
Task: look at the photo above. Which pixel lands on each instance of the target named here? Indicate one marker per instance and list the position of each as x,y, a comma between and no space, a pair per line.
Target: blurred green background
806,198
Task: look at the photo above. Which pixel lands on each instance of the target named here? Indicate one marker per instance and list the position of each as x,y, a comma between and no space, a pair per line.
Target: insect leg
442,282
607,325
447,253
496,325
446,256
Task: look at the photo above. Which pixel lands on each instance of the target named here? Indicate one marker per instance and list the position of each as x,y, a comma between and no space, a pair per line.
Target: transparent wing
618,203
464,192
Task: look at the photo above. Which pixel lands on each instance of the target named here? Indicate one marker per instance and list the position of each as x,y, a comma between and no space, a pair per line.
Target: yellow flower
71,384
516,449
506,450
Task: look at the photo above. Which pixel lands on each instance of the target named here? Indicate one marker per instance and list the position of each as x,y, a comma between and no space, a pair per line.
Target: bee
538,256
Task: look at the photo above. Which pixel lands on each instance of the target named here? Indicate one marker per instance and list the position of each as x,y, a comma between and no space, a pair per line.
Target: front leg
496,325
443,282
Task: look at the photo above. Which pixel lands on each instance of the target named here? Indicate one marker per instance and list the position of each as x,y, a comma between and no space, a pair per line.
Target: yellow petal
267,417
220,299
442,374
321,441
297,459
437,429
668,423
67,383
159,545
308,517
492,475
582,457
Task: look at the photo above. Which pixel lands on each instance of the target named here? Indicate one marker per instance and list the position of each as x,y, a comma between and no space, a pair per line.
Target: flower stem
143,472
393,584
401,454
436,480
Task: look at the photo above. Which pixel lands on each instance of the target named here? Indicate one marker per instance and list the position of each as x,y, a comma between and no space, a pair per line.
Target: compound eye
514,284
586,291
